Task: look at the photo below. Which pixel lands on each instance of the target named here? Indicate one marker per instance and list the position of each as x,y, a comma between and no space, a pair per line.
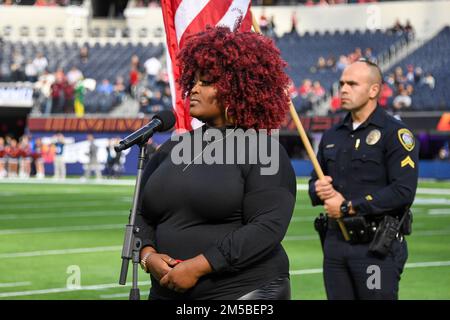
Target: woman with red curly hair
213,230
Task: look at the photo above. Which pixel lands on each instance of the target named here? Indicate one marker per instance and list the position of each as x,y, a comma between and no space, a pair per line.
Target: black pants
352,272
279,289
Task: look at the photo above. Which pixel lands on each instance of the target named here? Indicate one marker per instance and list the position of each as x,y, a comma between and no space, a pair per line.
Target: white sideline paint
419,190
61,229
433,191
131,182
440,211
300,238
57,205
115,285
116,295
58,252
427,201
64,215
14,284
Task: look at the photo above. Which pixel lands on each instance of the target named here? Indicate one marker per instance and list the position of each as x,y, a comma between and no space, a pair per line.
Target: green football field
52,235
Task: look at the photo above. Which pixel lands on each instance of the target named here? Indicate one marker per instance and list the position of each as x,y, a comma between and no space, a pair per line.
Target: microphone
162,121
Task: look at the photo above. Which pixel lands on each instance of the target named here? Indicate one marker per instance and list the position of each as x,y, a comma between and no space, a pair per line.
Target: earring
229,119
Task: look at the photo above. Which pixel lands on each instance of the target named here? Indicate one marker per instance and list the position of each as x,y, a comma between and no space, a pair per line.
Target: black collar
377,118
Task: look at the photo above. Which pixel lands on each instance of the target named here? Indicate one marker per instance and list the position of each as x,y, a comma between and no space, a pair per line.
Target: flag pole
304,138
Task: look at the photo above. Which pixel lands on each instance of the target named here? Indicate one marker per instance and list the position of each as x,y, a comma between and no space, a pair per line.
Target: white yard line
14,284
61,229
71,181
439,211
58,252
305,271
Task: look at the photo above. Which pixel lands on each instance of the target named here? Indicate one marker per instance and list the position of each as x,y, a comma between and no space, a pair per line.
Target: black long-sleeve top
231,213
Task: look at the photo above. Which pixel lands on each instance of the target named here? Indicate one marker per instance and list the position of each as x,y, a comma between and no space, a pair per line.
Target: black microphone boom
162,121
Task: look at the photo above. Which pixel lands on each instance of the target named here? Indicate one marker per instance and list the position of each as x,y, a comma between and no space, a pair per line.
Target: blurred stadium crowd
129,71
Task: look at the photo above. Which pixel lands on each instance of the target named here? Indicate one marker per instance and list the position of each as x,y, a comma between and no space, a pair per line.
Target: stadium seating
105,62
302,52
433,57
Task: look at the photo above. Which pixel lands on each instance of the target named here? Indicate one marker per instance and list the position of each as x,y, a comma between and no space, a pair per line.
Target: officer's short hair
373,65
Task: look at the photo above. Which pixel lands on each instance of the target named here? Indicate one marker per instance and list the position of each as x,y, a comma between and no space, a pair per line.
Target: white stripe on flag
187,11
237,9
171,79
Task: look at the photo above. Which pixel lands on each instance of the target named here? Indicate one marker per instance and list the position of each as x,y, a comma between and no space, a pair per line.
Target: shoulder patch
406,139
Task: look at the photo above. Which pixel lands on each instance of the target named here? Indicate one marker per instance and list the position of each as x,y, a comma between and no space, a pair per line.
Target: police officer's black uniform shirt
374,166
230,213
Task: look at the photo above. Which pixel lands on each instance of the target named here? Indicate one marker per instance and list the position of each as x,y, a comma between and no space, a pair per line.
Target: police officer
370,162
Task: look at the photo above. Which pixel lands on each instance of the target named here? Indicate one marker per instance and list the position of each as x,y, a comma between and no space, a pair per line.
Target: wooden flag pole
305,140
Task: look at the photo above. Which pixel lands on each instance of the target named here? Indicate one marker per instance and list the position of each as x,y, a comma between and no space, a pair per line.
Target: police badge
373,137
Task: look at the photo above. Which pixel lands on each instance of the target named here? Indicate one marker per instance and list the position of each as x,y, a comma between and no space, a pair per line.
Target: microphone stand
132,245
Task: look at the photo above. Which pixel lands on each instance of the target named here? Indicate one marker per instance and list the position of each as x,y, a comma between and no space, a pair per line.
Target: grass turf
46,229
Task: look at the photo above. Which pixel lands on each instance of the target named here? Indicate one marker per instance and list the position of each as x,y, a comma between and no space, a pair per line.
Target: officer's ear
374,90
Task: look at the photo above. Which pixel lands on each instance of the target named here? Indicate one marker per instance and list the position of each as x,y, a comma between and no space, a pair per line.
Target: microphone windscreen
167,118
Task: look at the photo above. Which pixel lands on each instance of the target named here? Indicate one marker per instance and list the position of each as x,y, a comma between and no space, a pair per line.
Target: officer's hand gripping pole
305,140
312,157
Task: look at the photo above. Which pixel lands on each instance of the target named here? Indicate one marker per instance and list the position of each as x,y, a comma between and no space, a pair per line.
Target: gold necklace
207,144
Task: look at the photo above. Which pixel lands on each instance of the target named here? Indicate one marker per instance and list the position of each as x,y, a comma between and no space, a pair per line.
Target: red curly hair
247,71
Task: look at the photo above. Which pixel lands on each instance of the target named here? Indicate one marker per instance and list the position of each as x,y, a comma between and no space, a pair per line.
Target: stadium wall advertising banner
76,149
431,122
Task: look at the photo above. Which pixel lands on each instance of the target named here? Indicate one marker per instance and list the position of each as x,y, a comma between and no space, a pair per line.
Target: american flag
185,17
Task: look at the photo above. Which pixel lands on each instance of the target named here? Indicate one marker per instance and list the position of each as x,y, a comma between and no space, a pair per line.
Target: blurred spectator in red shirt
134,80
62,94
335,104
385,94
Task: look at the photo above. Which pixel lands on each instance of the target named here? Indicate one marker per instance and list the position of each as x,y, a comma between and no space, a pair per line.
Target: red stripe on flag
211,14
175,5
247,22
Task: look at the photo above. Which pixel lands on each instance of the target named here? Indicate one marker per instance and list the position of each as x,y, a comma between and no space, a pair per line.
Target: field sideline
48,230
